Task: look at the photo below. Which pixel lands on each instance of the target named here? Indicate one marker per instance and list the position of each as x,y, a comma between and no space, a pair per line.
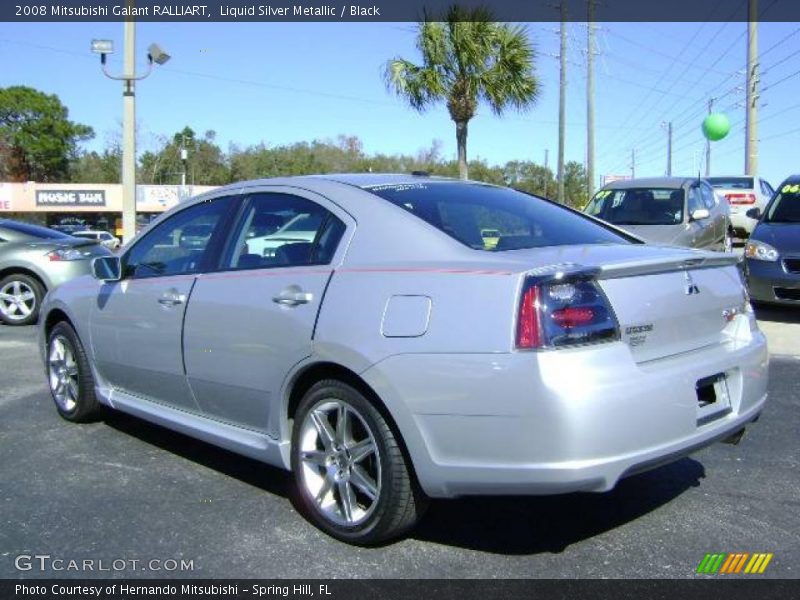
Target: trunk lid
667,300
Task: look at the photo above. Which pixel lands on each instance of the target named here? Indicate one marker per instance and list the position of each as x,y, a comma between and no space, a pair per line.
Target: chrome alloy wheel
62,369
17,300
340,463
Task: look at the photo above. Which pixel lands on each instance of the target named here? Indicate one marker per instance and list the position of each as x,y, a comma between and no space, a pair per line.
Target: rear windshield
16,231
638,206
785,207
735,183
468,212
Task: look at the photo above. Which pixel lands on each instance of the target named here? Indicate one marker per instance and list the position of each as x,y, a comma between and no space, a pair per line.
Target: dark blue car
772,255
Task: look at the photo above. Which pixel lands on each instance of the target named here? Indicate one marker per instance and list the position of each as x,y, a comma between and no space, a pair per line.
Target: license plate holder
713,398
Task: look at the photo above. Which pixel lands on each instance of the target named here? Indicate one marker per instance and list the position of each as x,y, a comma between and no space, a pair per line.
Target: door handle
292,297
171,298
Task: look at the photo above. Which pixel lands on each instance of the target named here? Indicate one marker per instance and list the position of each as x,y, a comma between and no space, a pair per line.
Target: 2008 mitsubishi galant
386,353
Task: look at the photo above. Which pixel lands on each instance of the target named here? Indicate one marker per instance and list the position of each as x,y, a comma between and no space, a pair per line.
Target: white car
742,194
103,237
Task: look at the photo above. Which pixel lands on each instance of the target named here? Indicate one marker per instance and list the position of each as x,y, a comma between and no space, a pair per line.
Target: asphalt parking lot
124,489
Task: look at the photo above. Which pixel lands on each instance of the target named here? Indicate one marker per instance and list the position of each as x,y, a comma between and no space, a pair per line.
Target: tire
359,465
69,376
20,298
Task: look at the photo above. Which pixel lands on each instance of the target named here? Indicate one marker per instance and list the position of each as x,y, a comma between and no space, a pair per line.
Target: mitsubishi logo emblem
691,287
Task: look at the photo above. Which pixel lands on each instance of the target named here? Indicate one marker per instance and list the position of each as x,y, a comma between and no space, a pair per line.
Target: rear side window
469,212
282,230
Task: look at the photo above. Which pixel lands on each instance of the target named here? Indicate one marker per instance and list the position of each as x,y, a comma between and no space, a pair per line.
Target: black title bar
393,10
708,588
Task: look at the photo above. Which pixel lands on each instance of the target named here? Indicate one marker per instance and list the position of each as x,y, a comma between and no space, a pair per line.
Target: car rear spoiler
573,271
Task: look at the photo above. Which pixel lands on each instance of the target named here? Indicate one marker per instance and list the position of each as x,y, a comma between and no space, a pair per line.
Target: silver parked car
666,210
33,260
742,194
400,355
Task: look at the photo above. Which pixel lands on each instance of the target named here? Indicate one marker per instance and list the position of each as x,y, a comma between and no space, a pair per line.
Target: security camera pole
129,78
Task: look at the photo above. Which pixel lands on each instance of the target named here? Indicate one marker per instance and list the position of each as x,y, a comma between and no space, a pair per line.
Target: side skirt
236,439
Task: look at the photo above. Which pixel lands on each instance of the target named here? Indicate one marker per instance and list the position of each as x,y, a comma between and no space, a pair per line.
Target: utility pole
708,142
129,132
668,127
590,100
751,127
562,99
633,163
546,167
184,159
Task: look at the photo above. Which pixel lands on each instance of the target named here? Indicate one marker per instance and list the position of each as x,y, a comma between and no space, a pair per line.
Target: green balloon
716,126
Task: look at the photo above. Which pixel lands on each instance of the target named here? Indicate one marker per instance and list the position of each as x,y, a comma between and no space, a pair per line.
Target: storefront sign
5,196
70,198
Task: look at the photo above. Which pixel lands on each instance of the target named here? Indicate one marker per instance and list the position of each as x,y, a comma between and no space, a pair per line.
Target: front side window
638,206
281,230
708,197
694,201
179,245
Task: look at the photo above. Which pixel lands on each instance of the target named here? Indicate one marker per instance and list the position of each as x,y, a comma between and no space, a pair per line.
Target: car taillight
741,198
557,314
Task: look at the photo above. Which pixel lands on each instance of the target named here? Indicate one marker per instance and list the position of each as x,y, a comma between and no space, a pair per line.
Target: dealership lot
126,491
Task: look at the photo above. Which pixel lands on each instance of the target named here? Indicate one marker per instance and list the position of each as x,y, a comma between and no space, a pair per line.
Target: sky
280,83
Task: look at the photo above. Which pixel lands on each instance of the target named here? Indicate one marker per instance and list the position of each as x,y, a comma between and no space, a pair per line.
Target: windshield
638,206
734,183
467,212
785,208
15,231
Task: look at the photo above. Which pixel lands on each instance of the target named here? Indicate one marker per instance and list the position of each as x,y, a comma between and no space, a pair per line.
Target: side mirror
754,213
700,214
107,268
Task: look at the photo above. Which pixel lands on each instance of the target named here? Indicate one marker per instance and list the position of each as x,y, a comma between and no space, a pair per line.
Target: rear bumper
564,421
764,277
742,224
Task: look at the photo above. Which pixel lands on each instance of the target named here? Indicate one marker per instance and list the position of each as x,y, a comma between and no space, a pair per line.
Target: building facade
76,206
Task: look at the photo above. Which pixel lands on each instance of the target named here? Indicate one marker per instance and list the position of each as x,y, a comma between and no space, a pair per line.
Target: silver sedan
398,354
679,211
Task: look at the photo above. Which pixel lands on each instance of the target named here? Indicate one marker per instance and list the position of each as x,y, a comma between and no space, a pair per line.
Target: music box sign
70,198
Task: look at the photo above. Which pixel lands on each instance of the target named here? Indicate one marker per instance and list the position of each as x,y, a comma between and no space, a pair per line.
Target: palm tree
466,59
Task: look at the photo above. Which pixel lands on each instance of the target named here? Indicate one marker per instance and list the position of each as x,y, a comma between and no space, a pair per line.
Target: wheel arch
54,316
6,271
304,379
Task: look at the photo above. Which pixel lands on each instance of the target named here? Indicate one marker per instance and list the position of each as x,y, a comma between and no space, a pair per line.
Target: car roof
791,179
661,182
360,180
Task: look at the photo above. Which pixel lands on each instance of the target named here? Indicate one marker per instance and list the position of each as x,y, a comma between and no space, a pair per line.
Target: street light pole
129,77
129,135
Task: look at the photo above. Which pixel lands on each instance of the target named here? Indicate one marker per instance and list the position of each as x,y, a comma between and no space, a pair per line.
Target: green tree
529,177
466,59
206,163
37,139
99,167
576,192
